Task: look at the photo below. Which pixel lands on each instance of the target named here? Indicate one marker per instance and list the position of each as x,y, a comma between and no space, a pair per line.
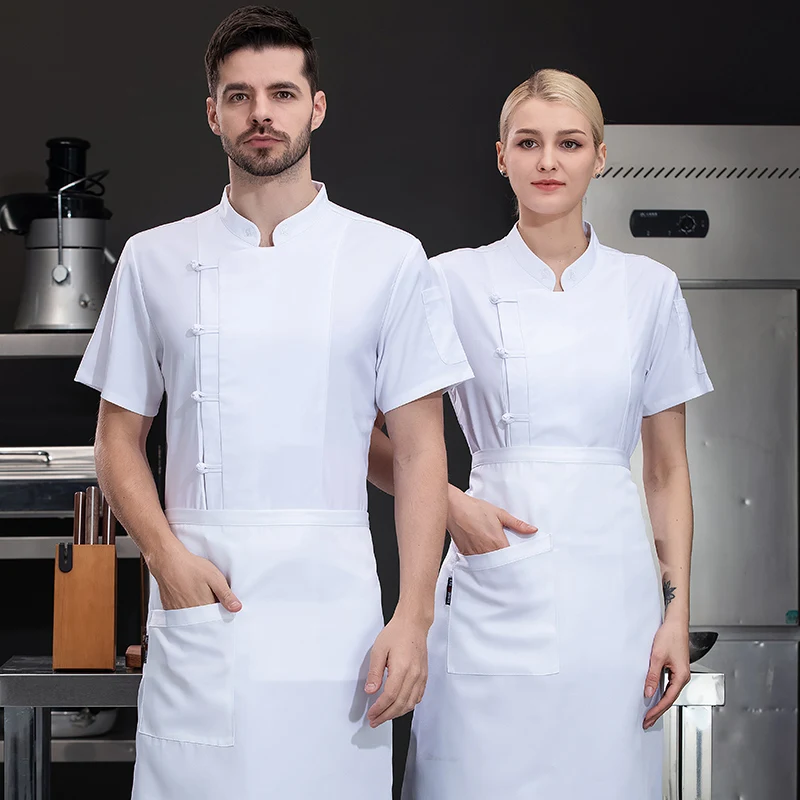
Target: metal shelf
44,547
43,345
72,750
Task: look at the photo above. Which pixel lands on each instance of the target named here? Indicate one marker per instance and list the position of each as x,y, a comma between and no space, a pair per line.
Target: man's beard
263,163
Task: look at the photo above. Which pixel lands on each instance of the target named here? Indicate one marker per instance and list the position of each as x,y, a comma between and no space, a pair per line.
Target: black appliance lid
17,211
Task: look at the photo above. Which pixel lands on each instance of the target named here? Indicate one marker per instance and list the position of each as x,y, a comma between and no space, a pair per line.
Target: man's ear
211,114
320,109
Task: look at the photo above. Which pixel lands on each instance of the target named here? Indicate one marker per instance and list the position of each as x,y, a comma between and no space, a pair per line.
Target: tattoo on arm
669,592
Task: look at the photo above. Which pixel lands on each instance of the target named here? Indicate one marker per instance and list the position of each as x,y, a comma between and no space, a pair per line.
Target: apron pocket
441,325
187,685
503,612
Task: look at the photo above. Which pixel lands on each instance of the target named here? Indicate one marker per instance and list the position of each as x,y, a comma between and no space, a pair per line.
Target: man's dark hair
258,27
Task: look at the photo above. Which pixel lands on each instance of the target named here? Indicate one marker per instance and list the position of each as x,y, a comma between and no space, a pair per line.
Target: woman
547,647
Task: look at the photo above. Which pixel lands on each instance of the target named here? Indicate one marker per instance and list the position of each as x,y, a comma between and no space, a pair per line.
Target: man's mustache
262,130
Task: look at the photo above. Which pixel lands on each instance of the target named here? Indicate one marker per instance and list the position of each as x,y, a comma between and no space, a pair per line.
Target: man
279,325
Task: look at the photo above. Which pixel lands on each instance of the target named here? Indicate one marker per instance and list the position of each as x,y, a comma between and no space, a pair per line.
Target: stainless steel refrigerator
720,205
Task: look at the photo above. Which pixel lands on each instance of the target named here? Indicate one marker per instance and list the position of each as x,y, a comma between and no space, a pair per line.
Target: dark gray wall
414,90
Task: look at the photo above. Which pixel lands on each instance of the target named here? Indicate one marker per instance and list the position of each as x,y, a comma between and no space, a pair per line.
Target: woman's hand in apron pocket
187,581
670,651
400,651
477,526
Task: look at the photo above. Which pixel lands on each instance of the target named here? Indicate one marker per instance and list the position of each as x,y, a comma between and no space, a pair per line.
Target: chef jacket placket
206,393
514,422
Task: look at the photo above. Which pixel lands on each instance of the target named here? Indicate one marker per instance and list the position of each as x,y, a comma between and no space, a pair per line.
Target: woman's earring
598,175
504,174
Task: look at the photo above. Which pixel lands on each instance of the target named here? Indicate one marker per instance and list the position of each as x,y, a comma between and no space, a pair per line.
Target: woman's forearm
380,472
669,501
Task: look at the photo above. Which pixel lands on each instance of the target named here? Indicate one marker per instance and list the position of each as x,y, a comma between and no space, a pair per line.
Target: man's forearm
127,482
420,483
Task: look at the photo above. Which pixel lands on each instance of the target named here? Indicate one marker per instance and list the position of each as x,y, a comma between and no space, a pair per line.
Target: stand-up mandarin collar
537,269
298,223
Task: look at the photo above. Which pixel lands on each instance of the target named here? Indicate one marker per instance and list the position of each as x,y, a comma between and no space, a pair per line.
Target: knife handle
79,521
93,506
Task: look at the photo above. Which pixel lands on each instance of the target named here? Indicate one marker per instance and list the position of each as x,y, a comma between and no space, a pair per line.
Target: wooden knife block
85,607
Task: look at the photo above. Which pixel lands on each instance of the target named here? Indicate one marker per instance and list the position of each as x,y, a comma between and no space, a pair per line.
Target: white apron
268,702
539,651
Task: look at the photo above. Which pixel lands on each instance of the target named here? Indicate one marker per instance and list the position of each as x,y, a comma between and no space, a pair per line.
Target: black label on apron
449,594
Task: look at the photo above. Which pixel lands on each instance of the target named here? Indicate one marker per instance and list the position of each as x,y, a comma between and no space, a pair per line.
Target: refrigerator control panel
669,223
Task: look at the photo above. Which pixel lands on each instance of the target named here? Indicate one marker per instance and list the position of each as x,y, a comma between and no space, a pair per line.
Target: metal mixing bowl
700,642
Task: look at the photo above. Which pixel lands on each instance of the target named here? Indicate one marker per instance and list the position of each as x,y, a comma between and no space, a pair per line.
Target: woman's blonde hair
556,86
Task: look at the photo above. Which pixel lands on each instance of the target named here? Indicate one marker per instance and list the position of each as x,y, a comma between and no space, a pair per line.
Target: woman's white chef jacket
539,651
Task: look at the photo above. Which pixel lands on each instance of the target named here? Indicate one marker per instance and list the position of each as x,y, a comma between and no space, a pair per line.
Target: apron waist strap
273,516
556,455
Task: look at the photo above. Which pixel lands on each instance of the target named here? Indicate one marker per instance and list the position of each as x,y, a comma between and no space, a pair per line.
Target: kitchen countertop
30,681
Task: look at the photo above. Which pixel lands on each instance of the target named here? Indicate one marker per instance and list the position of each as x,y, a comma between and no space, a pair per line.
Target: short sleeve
676,372
123,358
419,351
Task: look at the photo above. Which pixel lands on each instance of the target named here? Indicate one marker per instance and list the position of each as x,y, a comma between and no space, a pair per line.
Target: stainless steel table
687,736
28,690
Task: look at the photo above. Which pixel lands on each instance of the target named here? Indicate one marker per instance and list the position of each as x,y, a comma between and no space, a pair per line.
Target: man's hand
186,581
477,526
401,650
